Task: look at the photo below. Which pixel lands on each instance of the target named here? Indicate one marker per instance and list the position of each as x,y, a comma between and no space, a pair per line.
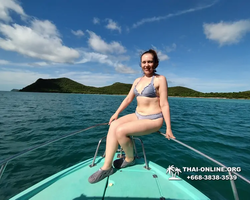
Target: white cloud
97,79
122,57
221,85
99,45
96,20
89,78
113,25
226,33
124,69
160,54
4,62
39,64
41,40
27,64
95,57
206,85
44,28
17,79
108,60
171,48
78,33
153,19
176,80
6,6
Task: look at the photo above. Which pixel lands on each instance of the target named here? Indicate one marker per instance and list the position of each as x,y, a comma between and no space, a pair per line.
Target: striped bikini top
148,91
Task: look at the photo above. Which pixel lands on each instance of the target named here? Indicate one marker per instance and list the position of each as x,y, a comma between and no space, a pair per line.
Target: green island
66,85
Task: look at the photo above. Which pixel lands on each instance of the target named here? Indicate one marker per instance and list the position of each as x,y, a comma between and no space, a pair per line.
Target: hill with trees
66,85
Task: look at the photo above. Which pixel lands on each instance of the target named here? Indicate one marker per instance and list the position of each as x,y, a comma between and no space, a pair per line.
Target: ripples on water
218,127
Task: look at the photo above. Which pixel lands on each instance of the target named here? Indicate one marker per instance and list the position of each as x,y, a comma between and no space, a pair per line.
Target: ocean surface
219,128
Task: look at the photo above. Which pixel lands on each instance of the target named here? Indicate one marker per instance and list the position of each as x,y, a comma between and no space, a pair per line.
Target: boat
145,180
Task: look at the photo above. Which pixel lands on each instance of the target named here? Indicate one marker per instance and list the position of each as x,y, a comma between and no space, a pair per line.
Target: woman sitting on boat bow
152,106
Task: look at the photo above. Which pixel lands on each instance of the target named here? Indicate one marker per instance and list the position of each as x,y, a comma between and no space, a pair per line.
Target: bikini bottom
153,116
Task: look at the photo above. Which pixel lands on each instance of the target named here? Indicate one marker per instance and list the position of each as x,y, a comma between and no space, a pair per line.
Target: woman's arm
129,98
163,91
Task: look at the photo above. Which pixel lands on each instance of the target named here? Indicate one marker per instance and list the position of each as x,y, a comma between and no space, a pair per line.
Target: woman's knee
113,126
120,132
113,129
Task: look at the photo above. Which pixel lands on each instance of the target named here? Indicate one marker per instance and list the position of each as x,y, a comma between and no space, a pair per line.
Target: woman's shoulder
160,77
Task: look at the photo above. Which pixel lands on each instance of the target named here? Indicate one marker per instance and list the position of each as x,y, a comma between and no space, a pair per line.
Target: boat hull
134,182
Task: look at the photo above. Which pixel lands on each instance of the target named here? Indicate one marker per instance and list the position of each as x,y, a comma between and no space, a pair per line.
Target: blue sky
202,44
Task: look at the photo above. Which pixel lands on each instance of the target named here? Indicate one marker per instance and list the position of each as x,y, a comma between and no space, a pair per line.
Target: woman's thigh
139,127
122,120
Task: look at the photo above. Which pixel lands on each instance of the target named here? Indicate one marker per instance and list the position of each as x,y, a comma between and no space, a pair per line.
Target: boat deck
134,182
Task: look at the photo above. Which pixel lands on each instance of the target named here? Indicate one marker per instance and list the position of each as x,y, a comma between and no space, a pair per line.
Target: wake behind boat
145,180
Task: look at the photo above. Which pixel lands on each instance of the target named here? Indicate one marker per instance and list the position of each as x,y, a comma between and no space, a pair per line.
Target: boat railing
235,193
5,162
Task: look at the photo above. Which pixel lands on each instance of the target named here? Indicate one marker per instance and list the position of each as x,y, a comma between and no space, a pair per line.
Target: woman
152,106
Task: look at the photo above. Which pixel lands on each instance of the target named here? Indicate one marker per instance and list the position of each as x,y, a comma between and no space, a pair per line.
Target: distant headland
66,85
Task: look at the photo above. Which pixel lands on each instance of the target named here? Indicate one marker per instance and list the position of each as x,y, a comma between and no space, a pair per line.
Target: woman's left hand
169,134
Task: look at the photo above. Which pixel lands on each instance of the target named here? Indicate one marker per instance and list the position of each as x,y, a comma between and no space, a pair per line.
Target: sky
202,44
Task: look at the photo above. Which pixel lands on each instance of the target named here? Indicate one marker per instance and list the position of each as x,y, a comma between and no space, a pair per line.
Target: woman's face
147,63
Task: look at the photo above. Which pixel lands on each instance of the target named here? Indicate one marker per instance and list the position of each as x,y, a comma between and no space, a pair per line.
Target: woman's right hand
114,117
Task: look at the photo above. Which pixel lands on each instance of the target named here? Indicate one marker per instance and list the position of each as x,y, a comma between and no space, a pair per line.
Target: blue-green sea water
219,128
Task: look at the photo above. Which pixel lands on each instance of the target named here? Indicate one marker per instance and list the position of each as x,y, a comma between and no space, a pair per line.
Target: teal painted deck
129,183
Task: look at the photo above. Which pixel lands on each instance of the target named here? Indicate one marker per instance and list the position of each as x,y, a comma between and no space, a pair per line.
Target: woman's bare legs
135,128
119,133
112,142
